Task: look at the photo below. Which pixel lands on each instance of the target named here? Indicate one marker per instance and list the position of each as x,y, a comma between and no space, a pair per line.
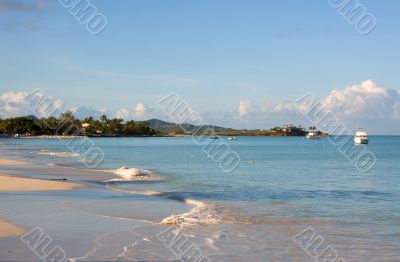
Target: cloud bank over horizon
366,104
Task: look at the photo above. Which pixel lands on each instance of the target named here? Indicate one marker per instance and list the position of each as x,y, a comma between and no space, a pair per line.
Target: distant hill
32,117
110,127
167,127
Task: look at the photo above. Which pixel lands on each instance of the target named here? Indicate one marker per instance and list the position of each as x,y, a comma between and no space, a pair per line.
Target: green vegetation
18,125
289,130
173,128
67,124
189,129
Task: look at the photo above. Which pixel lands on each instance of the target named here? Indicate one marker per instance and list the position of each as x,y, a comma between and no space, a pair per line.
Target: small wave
58,154
201,213
131,174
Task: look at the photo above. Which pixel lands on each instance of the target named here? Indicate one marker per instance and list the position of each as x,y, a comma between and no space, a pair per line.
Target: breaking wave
132,174
201,213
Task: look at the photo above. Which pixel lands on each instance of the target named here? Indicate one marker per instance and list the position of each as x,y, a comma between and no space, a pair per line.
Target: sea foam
201,213
128,174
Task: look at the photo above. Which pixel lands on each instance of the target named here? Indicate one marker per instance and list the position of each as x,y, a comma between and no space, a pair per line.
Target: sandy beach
19,184
9,162
8,229
14,184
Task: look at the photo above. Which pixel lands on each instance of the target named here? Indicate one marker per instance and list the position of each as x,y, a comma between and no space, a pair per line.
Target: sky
236,63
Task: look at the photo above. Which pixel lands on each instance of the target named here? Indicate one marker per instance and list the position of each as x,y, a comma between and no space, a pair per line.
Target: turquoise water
282,185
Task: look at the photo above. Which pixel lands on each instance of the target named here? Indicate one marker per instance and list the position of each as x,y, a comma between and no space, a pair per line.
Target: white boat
232,138
312,133
361,137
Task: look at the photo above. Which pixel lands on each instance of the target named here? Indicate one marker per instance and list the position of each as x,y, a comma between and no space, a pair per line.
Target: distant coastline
66,126
159,135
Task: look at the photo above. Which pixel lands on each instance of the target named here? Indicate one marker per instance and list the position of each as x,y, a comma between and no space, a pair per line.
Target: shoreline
114,210
167,135
10,183
21,184
8,229
10,162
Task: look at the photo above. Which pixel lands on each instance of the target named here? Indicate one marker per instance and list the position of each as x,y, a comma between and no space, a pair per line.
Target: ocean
289,199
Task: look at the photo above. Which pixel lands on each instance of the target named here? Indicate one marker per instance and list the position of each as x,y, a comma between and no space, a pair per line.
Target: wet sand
18,184
96,210
8,229
9,162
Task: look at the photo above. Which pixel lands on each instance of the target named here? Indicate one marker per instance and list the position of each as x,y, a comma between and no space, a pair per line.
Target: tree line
67,124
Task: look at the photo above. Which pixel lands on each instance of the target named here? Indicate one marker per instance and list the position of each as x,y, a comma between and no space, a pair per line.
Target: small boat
361,137
313,133
232,138
214,137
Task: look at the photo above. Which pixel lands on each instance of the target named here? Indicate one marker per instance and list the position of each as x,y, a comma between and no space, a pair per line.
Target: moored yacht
312,133
361,137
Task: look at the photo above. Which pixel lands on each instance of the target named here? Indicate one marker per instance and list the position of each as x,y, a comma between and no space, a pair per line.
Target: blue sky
214,54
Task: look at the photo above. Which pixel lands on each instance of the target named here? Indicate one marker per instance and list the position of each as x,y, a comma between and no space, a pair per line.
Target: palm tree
116,127
104,119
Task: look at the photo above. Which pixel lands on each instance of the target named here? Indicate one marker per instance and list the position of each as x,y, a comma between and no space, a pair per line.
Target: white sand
10,230
13,162
14,184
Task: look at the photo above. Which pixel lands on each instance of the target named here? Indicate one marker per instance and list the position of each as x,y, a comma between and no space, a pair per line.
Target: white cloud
123,114
278,108
140,109
244,108
396,112
83,112
366,100
14,104
365,104
140,112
